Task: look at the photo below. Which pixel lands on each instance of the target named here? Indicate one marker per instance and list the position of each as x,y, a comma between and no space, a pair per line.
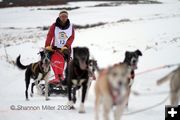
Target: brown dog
112,90
174,78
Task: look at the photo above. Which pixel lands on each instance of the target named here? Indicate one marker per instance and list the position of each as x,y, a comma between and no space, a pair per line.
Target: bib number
62,42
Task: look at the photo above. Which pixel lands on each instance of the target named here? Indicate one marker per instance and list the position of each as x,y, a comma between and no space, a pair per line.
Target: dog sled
60,87
54,89
55,85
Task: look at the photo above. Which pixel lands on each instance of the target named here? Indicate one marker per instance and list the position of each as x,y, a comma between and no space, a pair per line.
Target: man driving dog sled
59,40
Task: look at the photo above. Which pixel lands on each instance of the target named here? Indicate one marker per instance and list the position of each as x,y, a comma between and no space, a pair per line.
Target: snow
154,29
15,17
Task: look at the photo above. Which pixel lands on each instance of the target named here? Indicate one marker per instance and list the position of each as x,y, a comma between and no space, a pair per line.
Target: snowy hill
152,28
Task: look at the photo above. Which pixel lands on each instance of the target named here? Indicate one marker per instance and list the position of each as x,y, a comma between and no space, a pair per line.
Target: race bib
61,36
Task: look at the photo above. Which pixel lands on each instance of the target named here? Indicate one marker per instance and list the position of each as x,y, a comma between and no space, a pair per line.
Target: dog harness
34,68
61,36
131,78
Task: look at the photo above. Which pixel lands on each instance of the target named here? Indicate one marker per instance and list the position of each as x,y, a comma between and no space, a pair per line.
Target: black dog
77,75
131,59
37,71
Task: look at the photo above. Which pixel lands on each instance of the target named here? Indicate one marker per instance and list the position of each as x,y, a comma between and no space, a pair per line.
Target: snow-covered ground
153,28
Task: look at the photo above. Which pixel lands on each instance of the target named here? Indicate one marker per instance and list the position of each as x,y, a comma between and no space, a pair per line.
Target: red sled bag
57,64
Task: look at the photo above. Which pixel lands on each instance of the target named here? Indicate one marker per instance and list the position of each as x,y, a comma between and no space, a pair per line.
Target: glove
64,48
49,48
66,53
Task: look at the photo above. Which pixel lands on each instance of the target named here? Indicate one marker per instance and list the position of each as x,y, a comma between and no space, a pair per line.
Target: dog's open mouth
118,95
83,65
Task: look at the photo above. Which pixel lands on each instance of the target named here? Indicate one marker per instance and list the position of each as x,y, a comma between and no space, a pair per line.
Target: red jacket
50,37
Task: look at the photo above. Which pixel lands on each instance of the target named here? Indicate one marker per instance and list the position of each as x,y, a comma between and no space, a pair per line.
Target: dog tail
165,78
18,63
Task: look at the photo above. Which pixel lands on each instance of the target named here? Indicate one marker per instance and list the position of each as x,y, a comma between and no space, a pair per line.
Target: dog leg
84,90
178,97
79,94
46,86
128,95
32,89
89,85
74,95
174,98
118,111
69,92
39,92
27,81
97,106
70,102
107,104
46,90
37,80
